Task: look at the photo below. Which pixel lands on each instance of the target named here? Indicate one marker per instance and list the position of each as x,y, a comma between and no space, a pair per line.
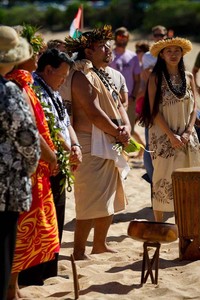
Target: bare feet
20,295
98,250
80,256
13,288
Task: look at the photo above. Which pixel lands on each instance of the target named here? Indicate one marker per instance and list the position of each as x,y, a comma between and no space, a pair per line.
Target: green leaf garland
62,154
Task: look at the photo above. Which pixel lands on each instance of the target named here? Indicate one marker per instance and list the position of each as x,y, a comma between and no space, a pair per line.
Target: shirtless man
97,112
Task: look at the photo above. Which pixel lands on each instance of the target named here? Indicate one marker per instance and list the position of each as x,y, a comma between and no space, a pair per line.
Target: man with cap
100,121
159,32
19,150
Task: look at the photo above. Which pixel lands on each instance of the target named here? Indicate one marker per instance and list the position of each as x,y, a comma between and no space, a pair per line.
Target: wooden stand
150,263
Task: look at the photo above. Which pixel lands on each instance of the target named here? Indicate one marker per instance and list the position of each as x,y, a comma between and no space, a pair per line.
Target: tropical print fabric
37,233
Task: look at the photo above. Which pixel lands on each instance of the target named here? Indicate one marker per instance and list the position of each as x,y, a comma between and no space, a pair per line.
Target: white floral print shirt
19,149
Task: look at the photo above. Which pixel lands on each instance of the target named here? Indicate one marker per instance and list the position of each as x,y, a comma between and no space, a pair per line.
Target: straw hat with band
185,45
13,48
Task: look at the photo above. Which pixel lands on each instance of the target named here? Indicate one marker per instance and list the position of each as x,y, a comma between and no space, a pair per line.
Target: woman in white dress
170,113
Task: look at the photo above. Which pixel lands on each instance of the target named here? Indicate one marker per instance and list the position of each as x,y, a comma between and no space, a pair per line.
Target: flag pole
82,24
77,24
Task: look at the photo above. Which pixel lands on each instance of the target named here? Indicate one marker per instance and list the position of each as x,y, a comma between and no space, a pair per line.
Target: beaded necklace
59,106
177,88
105,78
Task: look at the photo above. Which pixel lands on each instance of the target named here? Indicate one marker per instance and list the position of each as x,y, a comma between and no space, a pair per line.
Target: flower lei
61,153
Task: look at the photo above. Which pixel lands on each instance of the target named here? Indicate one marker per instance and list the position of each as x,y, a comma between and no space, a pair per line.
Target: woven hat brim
185,45
18,54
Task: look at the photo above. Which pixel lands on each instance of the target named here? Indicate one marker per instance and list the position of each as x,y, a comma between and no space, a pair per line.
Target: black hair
147,117
81,52
54,58
87,39
142,45
55,43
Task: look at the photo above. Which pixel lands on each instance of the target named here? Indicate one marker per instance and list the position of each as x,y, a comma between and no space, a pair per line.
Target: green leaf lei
131,147
62,154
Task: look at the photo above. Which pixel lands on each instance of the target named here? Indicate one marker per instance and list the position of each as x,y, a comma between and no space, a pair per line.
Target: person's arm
46,153
145,74
87,98
195,70
186,135
65,145
75,157
124,99
26,97
159,120
124,117
26,137
49,156
136,78
148,62
123,90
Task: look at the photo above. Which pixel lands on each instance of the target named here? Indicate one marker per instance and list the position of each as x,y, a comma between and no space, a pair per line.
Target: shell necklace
176,83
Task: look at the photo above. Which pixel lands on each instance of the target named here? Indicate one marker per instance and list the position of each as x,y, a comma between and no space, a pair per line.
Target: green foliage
62,154
138,15
54,18
18,15
181,15
30,33
2,16
132,146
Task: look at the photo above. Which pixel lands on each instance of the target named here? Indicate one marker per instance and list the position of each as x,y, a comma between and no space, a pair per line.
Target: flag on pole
76,26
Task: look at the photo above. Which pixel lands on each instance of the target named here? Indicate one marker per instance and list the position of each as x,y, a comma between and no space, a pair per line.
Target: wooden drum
147,231
186,190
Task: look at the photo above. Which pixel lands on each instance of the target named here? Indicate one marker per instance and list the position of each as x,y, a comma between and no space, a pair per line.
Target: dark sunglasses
121,36
159,35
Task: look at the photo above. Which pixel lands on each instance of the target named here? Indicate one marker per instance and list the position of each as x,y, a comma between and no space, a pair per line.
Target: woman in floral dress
170,113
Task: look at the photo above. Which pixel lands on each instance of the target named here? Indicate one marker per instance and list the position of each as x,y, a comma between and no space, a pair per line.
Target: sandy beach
118,275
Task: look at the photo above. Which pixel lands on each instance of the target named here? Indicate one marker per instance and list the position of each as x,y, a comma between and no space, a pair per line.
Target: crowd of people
63,107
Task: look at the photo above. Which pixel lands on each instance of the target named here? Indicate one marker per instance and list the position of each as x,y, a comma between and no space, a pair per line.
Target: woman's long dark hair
147,117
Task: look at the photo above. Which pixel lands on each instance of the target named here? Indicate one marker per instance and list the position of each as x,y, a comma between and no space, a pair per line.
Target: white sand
118,275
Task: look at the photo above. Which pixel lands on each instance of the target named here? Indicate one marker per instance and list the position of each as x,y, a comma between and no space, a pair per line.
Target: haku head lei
88,38
36,40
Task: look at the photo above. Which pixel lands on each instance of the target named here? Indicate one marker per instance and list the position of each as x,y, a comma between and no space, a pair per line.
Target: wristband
77,145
